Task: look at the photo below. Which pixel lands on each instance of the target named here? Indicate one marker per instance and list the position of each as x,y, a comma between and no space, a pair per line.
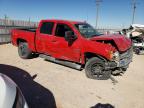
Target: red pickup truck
77,45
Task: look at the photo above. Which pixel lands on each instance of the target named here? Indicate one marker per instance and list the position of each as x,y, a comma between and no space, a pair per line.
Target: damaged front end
121,57
120,61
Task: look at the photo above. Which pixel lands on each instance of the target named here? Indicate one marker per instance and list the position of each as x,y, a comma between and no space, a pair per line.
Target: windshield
86,30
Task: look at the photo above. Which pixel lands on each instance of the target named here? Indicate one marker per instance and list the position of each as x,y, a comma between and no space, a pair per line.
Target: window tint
47,28
61,29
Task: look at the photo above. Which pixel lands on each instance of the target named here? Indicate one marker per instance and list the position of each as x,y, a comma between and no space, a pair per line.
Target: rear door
44,38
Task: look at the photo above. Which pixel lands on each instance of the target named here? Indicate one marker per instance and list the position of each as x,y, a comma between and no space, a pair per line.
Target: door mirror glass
70,36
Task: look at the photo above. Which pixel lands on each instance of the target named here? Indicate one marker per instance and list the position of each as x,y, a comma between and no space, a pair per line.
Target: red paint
59,48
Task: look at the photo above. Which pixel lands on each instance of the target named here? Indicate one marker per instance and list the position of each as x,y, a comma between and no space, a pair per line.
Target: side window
61,29
47,28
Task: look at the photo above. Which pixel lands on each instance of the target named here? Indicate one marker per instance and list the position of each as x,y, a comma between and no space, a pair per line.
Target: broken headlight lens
116,56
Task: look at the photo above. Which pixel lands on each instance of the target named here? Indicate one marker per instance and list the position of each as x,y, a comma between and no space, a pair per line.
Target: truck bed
27,34
28,29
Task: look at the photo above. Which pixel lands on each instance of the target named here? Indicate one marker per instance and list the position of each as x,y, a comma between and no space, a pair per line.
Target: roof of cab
59,20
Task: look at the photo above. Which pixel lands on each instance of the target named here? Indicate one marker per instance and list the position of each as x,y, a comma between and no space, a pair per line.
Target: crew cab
77,45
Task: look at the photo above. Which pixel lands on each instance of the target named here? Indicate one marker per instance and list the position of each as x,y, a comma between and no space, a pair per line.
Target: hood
121,42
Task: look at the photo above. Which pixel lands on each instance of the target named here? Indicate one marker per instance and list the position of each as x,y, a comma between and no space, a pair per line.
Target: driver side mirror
70,36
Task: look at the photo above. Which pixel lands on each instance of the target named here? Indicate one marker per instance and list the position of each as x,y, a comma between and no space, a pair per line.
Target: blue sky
112,13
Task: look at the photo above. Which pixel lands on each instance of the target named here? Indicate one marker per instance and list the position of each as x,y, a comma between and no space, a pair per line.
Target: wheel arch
89,55
20,40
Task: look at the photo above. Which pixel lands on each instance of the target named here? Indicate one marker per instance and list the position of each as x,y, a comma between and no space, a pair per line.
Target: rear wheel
94,69
24,51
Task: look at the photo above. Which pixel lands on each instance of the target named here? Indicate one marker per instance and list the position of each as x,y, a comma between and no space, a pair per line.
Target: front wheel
24,51
94,69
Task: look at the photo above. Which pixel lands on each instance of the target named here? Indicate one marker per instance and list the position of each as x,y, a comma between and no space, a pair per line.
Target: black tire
124,69
137,51
94,69
24,51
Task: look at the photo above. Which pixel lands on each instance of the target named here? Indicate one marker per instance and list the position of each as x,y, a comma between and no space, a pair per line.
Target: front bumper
124,60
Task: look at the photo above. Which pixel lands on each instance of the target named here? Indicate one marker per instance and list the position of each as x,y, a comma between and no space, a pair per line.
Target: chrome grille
125,58
127,54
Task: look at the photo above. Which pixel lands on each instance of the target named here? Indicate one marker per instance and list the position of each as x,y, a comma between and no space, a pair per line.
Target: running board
62,62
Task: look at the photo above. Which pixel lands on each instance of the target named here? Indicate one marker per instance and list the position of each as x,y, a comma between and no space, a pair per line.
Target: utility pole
97,11
5,22
87,17
29,20
134,10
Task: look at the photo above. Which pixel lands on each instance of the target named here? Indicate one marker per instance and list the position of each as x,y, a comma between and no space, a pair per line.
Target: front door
63,49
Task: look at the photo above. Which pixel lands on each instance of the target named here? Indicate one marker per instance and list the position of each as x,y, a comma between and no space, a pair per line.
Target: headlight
116,56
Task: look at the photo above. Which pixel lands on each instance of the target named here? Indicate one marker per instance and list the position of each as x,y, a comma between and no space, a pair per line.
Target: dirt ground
69,88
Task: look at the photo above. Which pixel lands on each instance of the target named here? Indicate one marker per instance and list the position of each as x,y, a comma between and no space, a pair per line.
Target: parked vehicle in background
10,94
77,45
136,33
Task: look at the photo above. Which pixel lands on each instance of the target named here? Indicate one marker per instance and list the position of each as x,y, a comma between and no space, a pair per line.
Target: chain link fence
6,25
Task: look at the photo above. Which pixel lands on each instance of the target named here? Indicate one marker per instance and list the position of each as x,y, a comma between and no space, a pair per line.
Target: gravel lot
46,85
5,38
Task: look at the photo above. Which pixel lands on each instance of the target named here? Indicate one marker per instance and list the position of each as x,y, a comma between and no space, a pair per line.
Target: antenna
97,11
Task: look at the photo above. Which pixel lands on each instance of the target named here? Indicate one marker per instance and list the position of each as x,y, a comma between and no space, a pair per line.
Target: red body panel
122,42
25,35
59,48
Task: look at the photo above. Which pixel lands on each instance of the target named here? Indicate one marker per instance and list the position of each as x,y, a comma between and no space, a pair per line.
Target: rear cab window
47,28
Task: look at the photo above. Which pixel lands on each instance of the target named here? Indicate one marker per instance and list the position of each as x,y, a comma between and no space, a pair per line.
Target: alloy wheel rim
96,70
